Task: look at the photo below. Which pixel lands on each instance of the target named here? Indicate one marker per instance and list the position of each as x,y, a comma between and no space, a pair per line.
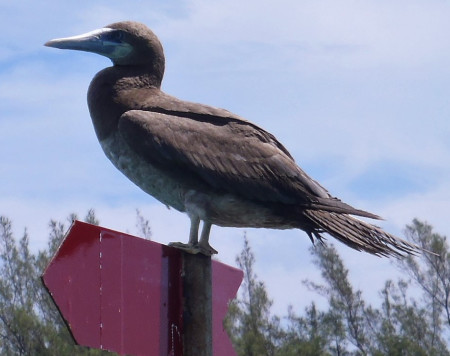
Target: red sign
122,293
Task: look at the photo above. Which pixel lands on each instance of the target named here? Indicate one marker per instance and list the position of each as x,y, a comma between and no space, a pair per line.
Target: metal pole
197,308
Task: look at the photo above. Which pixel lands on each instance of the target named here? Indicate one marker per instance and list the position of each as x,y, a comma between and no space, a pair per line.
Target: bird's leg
204,246
192,246
193,232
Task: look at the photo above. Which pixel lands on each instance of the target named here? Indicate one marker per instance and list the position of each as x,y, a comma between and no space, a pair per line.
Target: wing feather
228,154
231,157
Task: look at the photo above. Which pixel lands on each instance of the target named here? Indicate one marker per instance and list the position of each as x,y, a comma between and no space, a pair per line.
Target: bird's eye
114,36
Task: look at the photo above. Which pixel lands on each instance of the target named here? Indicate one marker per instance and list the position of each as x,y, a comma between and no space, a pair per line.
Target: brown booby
207,162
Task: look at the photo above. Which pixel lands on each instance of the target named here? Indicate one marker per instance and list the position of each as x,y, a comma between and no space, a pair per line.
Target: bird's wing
229,155
212,146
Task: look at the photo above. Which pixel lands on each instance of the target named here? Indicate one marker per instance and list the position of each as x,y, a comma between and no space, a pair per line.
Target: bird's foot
206,250
189,248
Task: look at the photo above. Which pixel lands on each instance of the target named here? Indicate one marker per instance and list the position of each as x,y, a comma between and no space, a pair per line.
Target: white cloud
431,206
336,33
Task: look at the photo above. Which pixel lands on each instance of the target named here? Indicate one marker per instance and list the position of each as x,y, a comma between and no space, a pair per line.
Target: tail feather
358,234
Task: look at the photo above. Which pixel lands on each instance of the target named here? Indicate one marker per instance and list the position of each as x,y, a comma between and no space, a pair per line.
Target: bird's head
126,43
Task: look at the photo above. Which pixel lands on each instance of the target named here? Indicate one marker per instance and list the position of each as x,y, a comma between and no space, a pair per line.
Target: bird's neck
105,95
135,77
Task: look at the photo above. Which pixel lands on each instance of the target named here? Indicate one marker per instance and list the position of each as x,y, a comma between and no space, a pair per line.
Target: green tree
253,330
404,326
306,335
401,326
346,317
430,271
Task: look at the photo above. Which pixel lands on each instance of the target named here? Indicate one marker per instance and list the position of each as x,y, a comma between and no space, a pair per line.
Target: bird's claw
189,248
206,250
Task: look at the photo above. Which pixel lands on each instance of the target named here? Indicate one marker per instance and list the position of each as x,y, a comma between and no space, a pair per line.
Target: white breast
147,177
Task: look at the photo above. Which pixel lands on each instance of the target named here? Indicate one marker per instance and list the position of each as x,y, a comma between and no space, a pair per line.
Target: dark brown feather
233,157
358,234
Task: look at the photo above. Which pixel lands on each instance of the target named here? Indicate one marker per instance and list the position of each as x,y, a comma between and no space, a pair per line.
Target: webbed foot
189,248
204,249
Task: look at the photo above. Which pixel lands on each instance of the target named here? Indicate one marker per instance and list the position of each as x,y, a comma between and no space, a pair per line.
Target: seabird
207,162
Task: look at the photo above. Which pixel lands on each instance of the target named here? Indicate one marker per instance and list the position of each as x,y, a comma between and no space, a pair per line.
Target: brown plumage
207,162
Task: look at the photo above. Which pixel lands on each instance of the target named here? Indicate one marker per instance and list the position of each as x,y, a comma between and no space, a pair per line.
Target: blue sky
357,91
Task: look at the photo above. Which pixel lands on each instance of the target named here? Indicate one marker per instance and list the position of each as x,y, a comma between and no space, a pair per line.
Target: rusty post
197,308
